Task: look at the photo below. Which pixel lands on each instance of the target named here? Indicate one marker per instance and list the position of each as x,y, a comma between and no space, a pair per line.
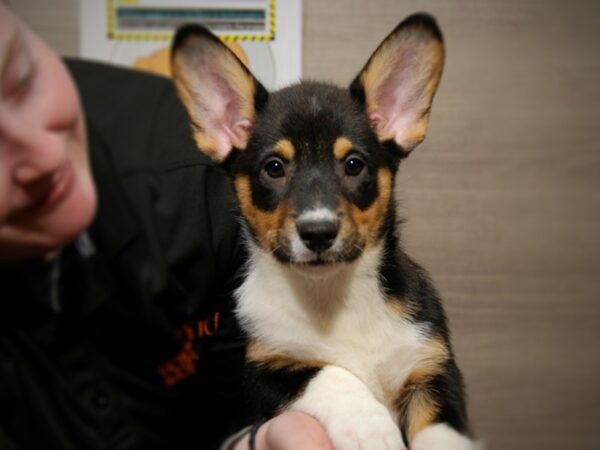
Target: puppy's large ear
398,82
218,91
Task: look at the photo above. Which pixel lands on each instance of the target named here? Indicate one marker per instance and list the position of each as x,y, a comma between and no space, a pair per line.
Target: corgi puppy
341,323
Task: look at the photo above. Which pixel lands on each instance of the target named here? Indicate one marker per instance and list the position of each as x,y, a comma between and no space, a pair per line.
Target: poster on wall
265,34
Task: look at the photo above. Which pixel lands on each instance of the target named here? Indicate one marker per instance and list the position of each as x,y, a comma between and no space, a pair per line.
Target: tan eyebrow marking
285,149
341,147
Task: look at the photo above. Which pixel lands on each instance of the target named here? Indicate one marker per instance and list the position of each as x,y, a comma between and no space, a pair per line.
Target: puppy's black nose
318,235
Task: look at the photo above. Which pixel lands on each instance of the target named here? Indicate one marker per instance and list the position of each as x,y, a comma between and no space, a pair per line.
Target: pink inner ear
397,99
238,133
223,114
377,122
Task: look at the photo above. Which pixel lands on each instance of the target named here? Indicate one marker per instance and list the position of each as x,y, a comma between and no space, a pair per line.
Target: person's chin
61,225
41,232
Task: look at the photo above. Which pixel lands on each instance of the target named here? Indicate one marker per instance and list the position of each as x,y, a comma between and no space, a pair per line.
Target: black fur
269,390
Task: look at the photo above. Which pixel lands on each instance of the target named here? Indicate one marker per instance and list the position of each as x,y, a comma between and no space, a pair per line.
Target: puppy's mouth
318,268
315,261
286,256
320,262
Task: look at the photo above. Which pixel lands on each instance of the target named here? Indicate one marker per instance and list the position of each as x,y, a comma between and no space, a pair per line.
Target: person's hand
291,430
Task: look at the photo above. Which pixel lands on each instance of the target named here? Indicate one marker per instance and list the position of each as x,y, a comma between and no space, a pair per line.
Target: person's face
47,196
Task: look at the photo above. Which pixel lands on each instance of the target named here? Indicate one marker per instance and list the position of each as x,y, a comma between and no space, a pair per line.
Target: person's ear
398,83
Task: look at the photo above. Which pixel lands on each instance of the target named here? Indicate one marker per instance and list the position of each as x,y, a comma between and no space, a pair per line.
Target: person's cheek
3,205
4,185
53,90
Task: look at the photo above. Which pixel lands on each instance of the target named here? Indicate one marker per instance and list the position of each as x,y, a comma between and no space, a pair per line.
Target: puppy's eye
354,166
274,168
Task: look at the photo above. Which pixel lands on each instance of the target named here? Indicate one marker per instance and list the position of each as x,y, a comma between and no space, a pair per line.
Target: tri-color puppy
343,325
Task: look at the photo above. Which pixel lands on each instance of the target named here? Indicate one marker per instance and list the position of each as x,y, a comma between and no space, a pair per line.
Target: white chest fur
342,319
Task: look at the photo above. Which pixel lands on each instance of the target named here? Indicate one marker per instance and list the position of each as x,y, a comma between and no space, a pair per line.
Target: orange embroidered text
184,364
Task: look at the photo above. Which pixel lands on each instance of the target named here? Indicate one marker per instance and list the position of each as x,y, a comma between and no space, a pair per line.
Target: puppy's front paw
353,418
364,426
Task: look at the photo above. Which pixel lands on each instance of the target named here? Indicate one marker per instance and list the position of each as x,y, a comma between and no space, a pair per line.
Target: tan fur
341,147
398,308
265,225
416,404
369,222
348,228
435,355
285,149
419,410
261,354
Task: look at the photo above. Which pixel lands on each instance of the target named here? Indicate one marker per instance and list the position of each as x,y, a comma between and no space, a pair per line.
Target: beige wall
502,200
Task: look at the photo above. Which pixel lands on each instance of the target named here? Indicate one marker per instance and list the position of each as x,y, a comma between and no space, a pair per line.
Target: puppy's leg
353,418
273,383
432,410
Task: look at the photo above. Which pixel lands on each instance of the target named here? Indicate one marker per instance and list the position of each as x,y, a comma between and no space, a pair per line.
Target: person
119,253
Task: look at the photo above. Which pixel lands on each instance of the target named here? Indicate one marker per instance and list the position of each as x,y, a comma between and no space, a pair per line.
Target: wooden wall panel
502,200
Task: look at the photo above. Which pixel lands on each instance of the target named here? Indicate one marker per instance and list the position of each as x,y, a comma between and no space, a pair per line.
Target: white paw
353,418
442,437
364,427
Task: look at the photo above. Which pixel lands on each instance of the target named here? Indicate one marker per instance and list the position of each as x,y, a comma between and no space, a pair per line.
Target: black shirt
127,339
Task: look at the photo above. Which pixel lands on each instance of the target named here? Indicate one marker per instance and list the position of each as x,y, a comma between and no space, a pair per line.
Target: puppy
342,324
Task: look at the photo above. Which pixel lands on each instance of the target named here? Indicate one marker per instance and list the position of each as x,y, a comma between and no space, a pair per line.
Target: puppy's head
312,164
